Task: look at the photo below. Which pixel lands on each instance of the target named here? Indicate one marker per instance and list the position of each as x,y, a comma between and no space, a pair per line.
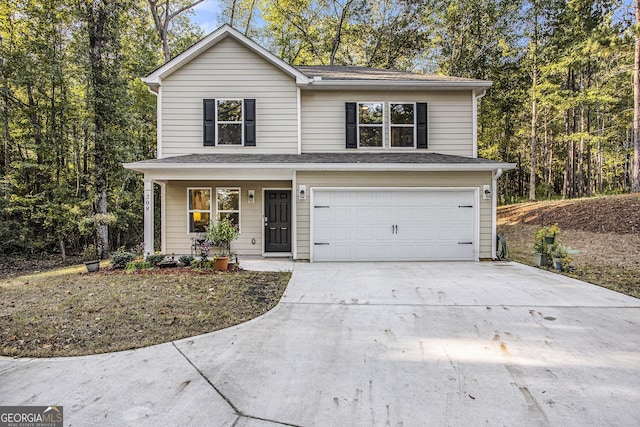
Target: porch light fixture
302,192
486,192
251,196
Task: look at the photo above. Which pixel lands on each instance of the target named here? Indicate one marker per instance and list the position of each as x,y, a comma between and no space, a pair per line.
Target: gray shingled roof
364,73
321,158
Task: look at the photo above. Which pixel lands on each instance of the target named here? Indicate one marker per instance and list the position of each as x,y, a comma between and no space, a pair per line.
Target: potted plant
544,245
548,233
91,256
561,258
222,233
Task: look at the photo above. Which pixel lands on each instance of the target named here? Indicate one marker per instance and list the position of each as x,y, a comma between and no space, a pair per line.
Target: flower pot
221,263
549,240
541,260
92,266
557,263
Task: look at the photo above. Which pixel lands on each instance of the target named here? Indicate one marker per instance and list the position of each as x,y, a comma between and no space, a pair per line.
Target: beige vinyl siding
391,179
178,240
229,70
449,119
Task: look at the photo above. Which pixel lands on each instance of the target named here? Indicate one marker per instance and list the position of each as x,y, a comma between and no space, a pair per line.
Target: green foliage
186,260
134,266
541,239
120,258
90,253
155,259
203,265
222,233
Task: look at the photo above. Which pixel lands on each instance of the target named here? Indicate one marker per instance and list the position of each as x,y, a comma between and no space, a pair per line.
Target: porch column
148,217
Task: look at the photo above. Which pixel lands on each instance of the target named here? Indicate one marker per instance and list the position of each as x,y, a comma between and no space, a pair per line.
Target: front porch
263,210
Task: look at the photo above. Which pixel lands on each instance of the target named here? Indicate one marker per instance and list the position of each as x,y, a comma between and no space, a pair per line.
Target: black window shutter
250,122
351,121
421,113
209,113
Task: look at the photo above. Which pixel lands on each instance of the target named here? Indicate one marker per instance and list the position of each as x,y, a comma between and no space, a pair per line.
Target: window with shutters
402,125
370,124
365,125
229,122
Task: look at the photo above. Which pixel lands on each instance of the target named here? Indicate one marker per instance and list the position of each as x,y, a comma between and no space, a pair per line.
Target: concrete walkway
371,344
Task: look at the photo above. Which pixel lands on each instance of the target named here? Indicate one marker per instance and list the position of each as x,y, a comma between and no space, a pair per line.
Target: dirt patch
14,266
610,214
67,313
607,258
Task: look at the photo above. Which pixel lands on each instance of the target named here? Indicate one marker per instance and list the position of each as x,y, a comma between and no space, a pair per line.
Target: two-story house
315,162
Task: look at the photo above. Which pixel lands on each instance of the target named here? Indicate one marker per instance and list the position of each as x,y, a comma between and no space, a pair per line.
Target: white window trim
189,210
232,211
382,125
414,126
220,122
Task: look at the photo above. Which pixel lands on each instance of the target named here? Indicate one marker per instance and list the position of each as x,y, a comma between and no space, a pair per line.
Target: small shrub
204,265
155,259
90,253
120,258
186,260
132,266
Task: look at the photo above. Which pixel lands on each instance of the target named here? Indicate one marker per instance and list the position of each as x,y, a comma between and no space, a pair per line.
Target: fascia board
210,40
396,85
331,167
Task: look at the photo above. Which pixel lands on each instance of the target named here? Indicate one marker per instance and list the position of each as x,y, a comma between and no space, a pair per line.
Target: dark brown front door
277,220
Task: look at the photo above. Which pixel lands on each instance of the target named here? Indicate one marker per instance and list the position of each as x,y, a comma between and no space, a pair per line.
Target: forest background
73,109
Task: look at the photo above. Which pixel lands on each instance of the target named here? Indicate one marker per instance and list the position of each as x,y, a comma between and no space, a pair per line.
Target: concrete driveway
371,344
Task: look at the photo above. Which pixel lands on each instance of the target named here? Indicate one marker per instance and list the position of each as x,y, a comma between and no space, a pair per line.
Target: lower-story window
198,209
228,204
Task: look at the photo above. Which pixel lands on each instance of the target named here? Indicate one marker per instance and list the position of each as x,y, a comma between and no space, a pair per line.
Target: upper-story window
365,125
402,125
229,119
370,124
229,122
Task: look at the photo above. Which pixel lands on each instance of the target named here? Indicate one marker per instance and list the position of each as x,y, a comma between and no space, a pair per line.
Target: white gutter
397,84
375,167
494,200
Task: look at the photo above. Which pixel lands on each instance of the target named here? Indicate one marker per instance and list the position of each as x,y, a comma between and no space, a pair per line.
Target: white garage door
394,225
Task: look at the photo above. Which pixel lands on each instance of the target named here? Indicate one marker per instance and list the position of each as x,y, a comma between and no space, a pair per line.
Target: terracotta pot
221,263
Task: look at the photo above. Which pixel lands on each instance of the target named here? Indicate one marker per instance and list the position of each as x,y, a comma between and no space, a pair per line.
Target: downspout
494,208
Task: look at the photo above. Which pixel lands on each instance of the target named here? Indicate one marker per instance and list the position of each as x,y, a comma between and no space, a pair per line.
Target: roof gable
154,79
319,77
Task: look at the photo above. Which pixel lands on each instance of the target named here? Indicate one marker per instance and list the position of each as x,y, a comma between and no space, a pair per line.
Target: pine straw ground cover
605,232
68,313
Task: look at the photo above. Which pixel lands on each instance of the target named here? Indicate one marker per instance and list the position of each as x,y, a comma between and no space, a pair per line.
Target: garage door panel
390,224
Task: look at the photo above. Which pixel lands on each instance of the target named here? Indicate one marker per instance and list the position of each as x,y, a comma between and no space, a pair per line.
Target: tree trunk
534,135
63,252
97,18
7,139
635,185
534,110
163,7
